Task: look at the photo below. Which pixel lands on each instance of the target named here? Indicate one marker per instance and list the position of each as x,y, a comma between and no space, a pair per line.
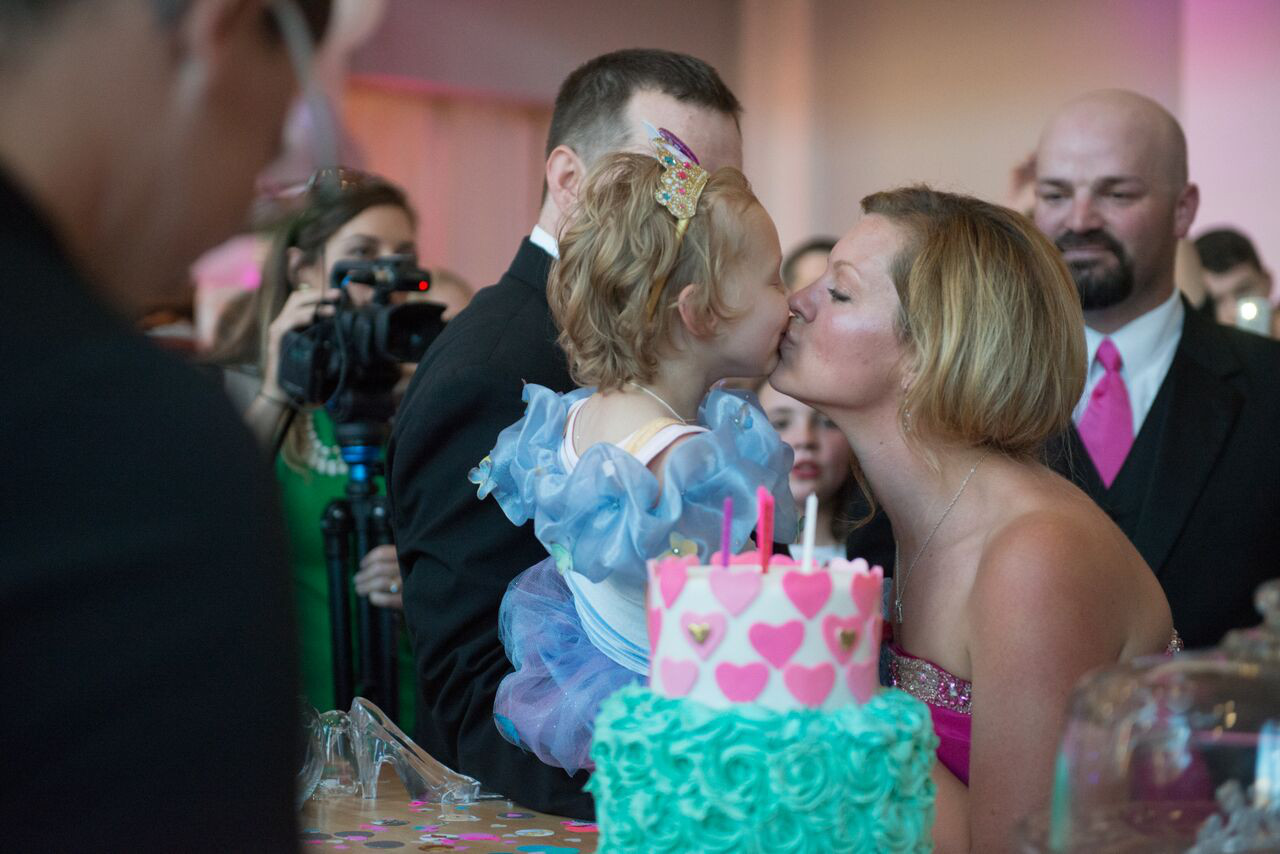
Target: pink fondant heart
866,590
841,635
735,590
810,685
655,629
808,591
678,676
671,578
864,679
741,684
776,644
704,631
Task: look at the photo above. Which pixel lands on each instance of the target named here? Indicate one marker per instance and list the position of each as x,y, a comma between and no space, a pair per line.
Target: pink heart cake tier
763,727
784,639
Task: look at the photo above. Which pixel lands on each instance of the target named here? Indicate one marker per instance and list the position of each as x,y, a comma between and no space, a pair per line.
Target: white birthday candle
810,532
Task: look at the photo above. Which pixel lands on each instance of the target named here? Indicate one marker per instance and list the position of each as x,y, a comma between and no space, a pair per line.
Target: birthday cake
763,727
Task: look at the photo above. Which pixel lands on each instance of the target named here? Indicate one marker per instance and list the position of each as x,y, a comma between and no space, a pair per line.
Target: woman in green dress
345,216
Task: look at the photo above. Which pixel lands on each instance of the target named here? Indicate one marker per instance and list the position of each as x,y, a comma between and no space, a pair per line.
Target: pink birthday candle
764,526
725,532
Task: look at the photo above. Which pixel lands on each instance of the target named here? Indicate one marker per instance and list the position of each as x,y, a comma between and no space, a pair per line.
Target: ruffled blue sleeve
608,514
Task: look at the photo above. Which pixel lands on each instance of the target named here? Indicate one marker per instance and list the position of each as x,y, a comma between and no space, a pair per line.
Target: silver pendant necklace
899,590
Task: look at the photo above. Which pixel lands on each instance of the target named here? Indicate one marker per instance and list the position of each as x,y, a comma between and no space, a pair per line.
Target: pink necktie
1107,426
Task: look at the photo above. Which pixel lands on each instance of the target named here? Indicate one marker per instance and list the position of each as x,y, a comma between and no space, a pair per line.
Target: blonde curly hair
620,245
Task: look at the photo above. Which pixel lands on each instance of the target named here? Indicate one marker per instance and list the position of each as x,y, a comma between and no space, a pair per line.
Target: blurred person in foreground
144,607
458,555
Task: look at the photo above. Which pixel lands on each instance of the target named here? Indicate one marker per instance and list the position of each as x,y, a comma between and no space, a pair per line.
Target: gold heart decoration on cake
699,632
847,638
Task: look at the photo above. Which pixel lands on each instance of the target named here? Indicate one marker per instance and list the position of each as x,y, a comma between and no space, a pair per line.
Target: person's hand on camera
300,310
379,578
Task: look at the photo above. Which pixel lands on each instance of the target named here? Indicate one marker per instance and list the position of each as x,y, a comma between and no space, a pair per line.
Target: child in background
823,467
667,281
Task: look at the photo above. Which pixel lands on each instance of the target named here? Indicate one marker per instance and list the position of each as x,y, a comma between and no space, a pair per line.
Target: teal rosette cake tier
674,775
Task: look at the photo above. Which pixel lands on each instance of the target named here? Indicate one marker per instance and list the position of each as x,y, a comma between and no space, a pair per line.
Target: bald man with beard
1176,434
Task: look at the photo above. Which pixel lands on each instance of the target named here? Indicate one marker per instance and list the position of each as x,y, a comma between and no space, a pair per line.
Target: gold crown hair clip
678,190
682,176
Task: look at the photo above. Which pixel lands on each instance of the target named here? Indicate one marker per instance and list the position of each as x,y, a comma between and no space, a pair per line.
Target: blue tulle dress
574,624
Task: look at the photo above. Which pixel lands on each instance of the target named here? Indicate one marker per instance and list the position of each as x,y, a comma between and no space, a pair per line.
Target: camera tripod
361,516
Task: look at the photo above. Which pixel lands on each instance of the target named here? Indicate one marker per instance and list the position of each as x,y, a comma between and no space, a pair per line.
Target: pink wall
524,48
953,94
1230,98
844,98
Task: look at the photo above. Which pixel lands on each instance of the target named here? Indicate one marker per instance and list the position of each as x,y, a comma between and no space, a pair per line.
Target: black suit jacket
146,641
1210,525
458,554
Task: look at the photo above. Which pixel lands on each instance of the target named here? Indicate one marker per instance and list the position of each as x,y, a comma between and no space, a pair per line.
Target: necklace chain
900,590
654,395
577,430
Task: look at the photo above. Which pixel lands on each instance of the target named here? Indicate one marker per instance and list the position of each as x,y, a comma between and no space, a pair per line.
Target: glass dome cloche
1173,754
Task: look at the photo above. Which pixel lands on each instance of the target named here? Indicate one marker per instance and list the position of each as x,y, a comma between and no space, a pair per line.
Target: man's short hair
1224,248
815,244
590,107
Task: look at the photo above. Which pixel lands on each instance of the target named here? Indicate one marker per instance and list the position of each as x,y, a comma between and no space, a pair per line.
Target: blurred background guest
804,264
345,216
146,631
1236,281
823,466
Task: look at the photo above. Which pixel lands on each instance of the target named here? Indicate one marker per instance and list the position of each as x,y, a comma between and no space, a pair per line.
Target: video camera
351,361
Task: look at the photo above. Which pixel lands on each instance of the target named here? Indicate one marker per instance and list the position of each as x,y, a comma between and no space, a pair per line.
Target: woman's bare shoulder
1066,563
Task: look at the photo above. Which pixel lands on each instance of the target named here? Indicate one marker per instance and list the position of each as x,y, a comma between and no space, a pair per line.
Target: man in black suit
1195,482
145,632
458,554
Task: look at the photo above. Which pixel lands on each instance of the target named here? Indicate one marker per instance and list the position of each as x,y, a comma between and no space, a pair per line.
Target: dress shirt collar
542,239
1142,340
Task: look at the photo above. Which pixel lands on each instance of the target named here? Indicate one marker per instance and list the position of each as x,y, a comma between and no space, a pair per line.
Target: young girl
667,281
823,467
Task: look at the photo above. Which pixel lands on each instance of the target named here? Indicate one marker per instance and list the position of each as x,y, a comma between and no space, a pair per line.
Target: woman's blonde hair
620,245
991,321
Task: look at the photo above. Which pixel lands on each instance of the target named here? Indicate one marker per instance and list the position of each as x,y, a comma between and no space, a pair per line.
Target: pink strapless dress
949,699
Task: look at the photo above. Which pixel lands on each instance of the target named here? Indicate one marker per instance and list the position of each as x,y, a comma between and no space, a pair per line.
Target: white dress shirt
1146,346
542,238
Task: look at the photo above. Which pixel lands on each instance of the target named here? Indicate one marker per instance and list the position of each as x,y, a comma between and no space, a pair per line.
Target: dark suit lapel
1202,411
